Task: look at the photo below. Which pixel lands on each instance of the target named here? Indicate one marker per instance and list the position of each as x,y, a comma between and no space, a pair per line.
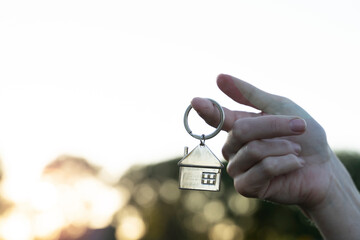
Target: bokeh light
169,191
131,225
67,200
145,195
226,230
214,211
240,205
194,201
9,226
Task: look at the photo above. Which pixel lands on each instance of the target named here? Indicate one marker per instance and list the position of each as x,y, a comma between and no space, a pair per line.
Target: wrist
338,214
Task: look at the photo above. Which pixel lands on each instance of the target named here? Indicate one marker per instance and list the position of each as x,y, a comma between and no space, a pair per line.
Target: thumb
245,93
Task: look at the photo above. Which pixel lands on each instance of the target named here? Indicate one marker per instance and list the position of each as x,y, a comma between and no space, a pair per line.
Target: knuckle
225,153
287,145
269,166
253,150
241,128
241,188
321,137
231,169
292,157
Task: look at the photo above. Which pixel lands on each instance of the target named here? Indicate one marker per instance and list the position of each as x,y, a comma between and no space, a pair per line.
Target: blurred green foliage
170,213
351,160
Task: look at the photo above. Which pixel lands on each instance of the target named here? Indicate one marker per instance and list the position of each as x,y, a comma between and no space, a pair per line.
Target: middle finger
255,151
263,127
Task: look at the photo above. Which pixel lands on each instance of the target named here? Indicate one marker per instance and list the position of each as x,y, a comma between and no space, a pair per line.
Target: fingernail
297,148
298,125
301,162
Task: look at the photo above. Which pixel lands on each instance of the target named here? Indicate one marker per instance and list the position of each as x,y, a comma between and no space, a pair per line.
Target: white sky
110,80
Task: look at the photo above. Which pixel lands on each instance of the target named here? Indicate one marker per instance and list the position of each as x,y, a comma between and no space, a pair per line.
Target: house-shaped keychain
200,169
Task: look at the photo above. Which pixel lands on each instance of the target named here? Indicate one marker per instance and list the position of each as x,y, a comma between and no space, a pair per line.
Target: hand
275,154
280,154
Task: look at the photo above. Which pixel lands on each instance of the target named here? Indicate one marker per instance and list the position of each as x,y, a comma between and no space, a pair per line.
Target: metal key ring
204,137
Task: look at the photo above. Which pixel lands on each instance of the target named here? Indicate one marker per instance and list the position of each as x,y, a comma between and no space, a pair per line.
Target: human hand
280,154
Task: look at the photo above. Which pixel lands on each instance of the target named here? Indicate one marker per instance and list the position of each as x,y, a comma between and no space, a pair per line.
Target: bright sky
110,80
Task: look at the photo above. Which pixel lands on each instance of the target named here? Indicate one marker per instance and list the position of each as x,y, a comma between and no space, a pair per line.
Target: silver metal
186,151
200,170
204,137
204,179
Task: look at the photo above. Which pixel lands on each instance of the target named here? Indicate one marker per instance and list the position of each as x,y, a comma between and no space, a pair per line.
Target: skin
281,154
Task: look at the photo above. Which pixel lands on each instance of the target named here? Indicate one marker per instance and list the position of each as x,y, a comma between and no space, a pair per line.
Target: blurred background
72,200
92,96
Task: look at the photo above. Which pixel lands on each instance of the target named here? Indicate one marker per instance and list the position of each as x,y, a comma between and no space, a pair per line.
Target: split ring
202,136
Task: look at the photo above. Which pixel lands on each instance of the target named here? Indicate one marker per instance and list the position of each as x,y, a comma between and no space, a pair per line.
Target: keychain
201,169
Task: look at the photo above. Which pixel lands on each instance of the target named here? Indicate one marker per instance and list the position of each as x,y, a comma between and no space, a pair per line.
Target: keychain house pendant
200,169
